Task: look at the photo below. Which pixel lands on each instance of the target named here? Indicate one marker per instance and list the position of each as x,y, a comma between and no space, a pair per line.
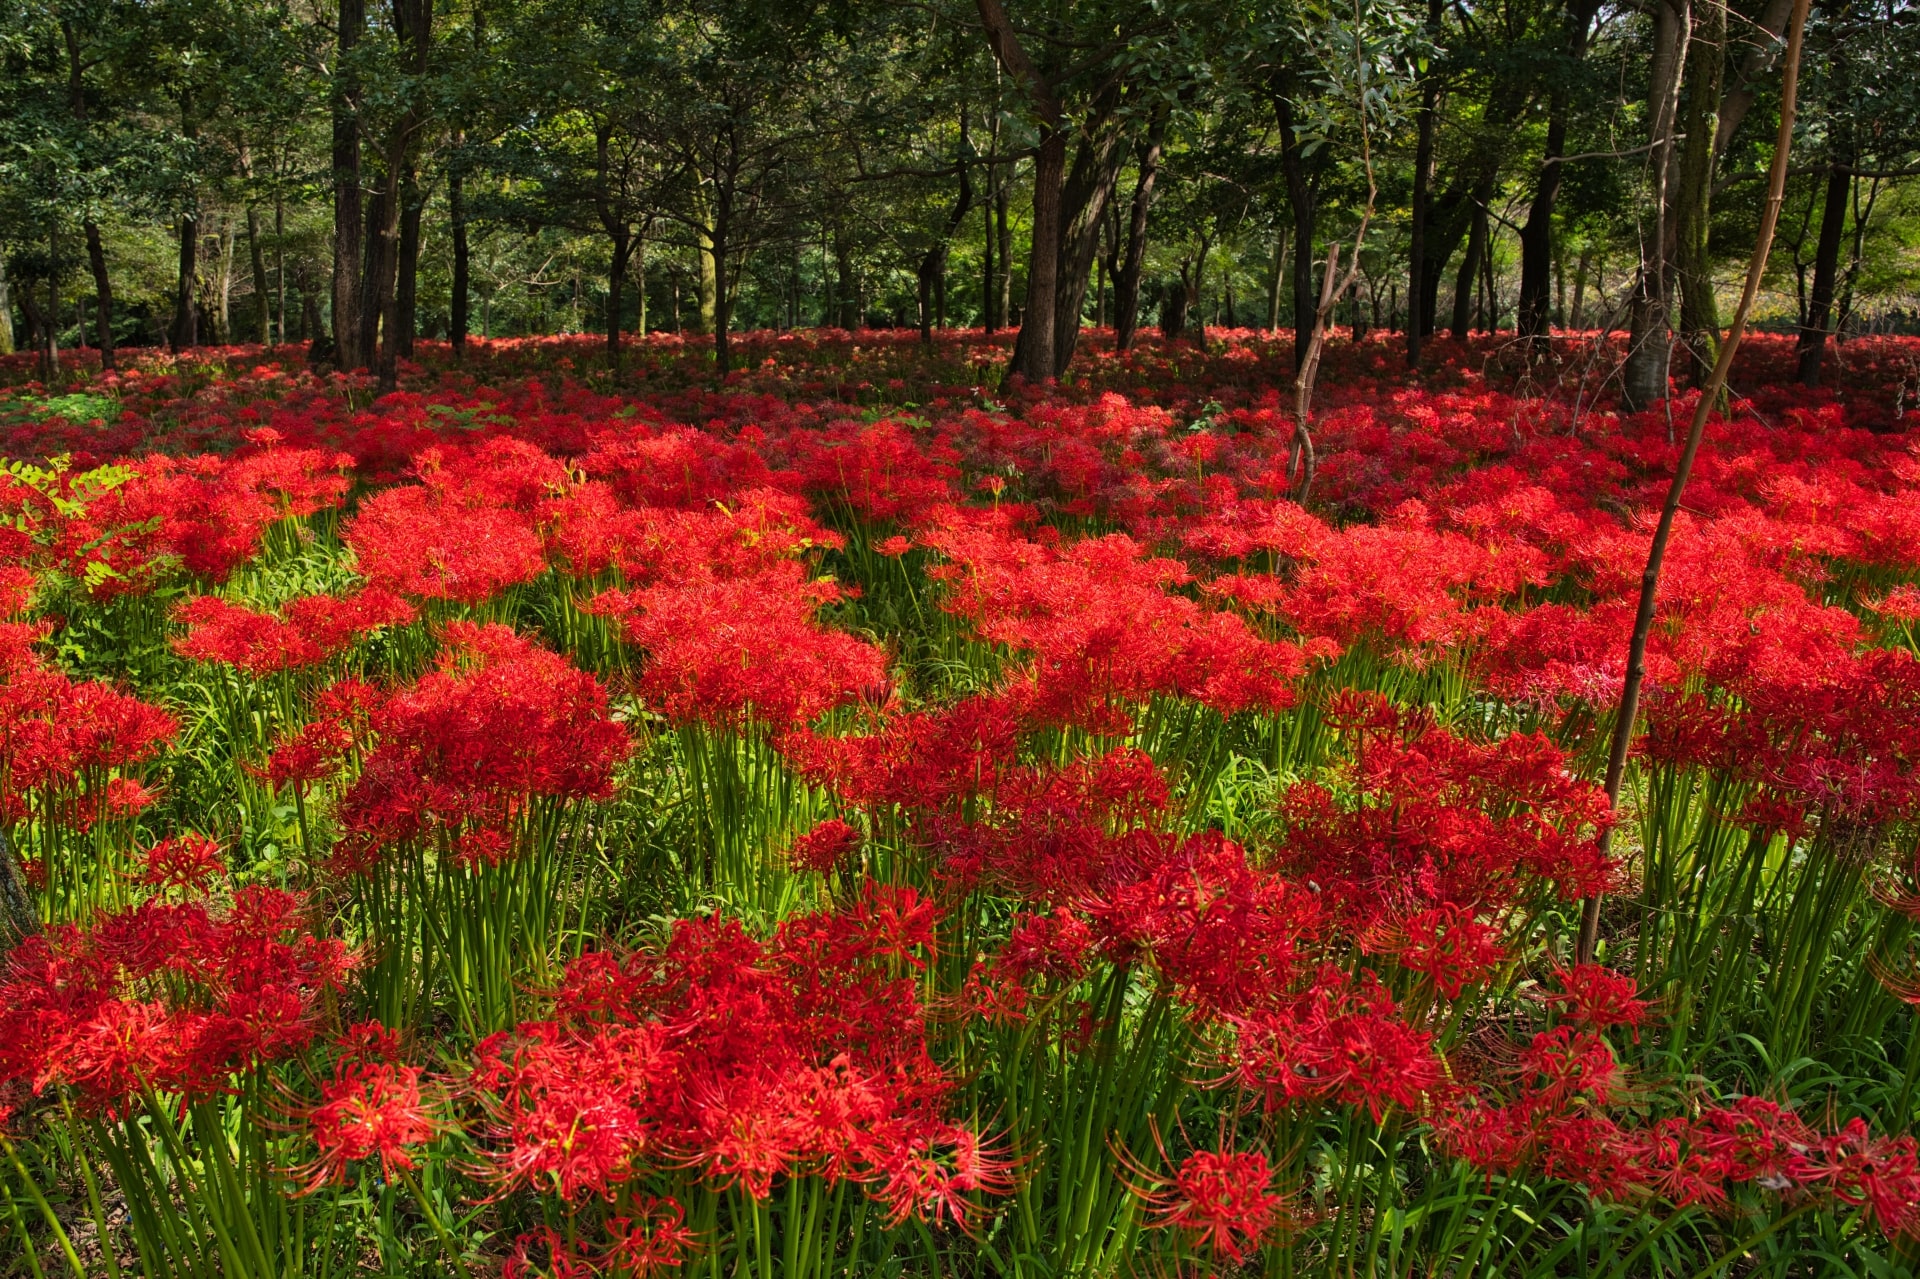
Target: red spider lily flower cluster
309,631
497,724
747,1061
166,998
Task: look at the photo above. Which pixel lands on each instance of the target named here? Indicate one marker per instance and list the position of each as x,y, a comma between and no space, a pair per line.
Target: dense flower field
857,822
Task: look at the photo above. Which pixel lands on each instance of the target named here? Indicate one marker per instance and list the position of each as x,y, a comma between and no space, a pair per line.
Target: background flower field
853,821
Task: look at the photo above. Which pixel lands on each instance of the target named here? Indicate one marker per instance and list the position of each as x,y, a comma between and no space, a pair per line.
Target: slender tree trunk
347,226
1650,344
406,288
1469,278
722,301
989,293
262,290
457,214
6,313
1628,709
1417,320
1537,256
622,240
1126,280
1826,269
102,294
1303,201
1693,264
279,265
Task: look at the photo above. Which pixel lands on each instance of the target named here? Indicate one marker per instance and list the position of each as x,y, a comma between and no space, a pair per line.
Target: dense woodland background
360,176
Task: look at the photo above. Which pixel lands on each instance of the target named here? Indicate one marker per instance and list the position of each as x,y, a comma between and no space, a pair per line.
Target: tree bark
1303,201
1693,264
1537,257
1812,341
1650,340
1083,207
262,290
1466,282
406,288
1034,349
185,332
347,228
457,215
1126,279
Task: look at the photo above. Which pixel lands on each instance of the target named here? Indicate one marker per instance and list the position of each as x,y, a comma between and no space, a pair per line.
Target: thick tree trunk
347,227
1083,209
1126,279
185,332
457,304
376,280
1693,265
1033,351
1826,269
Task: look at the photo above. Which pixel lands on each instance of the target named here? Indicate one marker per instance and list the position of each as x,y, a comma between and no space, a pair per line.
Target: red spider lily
499,722
749,1061
1597,997
653,1239
166,997
368,1110
823,847
315,628
187,862
1223,1201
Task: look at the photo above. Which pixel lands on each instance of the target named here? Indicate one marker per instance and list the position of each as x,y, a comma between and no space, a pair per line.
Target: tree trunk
102,294
407,286
376,280
722,301
622,241
347,227
1033,347
1826,270
989,319
1417,318
1033,351
1537,257
1693,265
1083,209
185,332
1126,280
1650,341
6,313
262,291
932,274
457,214
1303,201
1465,283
